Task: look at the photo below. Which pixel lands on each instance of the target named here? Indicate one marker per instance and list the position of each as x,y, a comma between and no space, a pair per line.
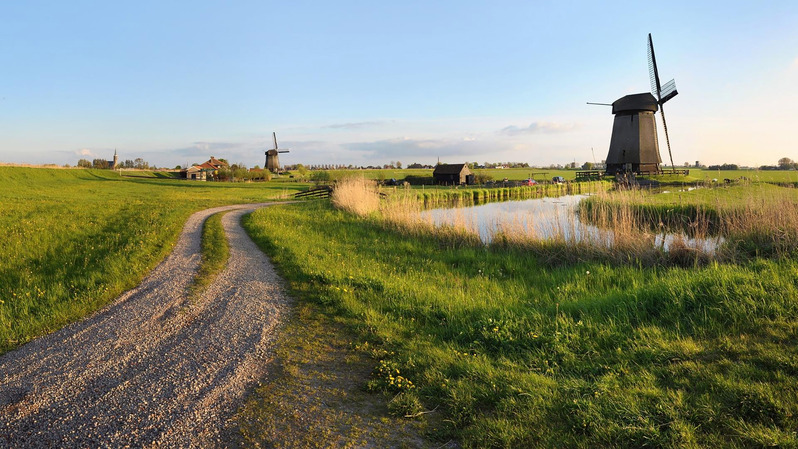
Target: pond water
543,218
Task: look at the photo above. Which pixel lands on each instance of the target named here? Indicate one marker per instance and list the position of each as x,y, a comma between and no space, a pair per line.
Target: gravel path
154,368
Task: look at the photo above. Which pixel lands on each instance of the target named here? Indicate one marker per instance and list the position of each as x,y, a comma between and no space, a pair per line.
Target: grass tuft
214,251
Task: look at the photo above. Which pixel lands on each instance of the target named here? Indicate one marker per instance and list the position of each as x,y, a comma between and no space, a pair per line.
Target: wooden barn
452,174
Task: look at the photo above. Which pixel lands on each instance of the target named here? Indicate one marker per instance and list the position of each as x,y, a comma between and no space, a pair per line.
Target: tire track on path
153,368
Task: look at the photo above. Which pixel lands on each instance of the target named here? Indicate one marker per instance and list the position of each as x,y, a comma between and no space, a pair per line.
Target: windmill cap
635,103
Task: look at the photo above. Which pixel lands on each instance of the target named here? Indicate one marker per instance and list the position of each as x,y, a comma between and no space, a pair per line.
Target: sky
370,82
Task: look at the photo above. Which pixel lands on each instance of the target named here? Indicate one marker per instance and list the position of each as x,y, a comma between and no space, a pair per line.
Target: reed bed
752,220
356,195
627,226
438,197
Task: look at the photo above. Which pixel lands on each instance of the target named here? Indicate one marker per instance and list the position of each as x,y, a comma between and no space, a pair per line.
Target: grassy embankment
72,240
512,351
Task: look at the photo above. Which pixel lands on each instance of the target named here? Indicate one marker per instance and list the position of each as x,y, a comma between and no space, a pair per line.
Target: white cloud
538,128
355,125
84,152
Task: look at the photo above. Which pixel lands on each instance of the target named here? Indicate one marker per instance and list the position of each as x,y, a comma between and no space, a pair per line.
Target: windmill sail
661,93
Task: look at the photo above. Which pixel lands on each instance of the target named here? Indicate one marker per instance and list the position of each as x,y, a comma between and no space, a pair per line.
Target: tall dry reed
356,195
404,214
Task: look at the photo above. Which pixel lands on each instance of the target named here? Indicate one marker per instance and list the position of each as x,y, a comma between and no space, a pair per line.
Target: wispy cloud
404,147
538,128
84,152
355,125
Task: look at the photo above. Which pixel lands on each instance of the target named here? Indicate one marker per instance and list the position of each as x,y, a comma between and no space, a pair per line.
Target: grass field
513,352
74,239
502,347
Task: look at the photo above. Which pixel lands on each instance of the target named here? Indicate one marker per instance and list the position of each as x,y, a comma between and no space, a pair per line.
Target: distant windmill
633,146
272,158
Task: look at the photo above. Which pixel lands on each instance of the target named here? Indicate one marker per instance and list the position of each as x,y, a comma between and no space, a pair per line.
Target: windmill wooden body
633,146
273,158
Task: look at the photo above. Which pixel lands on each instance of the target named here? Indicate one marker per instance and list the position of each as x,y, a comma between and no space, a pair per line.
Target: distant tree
587,166
415,165
724,167
482,178
140,163
178,167
786,163
84,163
302,170
398,164
239,171
320,176
99,163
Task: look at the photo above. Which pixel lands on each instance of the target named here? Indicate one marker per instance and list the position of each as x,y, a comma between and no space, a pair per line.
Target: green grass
72,240
214,251
516,353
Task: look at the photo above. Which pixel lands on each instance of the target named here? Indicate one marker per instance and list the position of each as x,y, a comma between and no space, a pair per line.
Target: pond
543,218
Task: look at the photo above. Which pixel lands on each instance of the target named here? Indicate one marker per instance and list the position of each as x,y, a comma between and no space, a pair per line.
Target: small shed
195,173
452,174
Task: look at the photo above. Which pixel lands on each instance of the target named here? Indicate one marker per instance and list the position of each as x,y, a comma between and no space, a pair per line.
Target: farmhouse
213,164
204,170
452,174
195,173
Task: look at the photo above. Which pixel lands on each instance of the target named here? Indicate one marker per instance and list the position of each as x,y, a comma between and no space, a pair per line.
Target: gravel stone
155,367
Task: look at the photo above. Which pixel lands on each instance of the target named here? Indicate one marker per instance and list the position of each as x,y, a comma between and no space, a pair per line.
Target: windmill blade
667,139
653,73
274,135
668,91
282,151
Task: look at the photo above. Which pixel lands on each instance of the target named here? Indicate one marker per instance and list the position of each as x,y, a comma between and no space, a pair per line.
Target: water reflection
544,218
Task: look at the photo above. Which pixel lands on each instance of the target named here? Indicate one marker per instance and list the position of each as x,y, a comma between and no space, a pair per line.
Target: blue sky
357,82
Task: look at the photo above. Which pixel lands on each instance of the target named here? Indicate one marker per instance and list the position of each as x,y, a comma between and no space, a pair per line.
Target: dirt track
153,368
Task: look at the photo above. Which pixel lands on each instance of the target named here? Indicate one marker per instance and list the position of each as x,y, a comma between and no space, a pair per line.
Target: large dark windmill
272,158
633,146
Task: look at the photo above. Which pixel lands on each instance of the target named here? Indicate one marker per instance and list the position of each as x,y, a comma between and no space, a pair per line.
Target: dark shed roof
635,103
448,169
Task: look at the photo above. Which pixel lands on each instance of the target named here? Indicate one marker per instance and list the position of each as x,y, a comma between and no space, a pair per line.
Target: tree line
138,163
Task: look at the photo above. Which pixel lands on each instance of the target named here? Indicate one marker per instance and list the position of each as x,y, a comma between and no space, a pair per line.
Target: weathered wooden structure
633,145
452,174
